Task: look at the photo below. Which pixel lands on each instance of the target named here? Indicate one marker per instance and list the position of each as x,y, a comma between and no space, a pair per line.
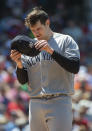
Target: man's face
40,31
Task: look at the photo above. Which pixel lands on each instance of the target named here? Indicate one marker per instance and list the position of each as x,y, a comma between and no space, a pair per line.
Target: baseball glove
24,45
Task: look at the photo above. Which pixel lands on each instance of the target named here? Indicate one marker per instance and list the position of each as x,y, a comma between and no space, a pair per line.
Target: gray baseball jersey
45,75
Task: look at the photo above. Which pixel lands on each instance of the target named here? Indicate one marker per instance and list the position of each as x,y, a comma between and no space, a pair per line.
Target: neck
49,34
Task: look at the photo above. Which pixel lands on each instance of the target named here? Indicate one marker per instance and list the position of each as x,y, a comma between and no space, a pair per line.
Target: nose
36,32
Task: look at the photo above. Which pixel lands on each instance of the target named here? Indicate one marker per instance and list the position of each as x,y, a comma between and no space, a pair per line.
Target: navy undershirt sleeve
70,64
22,75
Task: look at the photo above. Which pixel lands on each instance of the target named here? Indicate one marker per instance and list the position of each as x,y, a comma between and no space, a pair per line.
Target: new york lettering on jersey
41,57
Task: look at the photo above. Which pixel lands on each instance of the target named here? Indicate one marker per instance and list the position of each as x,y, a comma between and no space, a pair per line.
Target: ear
47,22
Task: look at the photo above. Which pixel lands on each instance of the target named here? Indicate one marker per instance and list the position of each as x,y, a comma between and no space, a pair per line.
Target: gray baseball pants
51,115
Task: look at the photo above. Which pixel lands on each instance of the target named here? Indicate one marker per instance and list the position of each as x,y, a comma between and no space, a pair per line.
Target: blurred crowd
14,97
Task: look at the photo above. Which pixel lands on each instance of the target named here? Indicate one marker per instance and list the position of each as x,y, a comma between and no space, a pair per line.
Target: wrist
51,51
19,65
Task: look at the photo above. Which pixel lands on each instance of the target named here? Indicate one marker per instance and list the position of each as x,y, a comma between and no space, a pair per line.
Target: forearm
22,75
70,64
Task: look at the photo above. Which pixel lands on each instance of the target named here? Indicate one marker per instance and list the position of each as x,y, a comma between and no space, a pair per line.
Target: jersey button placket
44,75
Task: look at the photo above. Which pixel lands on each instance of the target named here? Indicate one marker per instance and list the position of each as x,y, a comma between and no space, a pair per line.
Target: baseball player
50,75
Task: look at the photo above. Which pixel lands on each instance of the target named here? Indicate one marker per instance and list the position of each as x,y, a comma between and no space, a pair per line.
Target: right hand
16,57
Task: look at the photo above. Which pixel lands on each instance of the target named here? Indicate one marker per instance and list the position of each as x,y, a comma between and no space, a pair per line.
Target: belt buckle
43,97
46,97
56,95
50,96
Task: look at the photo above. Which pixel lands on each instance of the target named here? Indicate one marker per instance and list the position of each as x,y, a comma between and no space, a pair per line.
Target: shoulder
67,40
62,36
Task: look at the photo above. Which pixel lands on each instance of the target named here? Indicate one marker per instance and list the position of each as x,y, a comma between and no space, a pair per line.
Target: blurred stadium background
73,17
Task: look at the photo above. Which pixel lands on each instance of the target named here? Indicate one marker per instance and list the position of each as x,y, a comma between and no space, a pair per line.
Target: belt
48,96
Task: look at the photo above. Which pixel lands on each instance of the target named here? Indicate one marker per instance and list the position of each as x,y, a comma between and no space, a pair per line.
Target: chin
39,38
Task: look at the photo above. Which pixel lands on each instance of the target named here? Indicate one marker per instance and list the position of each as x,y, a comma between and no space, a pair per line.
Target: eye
33,30
38,29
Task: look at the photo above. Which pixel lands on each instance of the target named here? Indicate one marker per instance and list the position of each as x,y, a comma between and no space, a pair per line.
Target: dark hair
37,14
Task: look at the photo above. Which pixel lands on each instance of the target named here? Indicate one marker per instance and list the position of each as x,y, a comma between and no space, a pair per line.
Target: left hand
43,45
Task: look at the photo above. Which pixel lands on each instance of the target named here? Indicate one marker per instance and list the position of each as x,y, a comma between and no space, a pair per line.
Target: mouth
38,36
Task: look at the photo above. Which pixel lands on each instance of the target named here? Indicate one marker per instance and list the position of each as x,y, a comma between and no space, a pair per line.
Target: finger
12,51
15,56
15,53
40,45
16,59
43,48
39,42
36,43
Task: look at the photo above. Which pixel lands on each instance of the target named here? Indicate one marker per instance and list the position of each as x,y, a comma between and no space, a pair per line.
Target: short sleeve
71,48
